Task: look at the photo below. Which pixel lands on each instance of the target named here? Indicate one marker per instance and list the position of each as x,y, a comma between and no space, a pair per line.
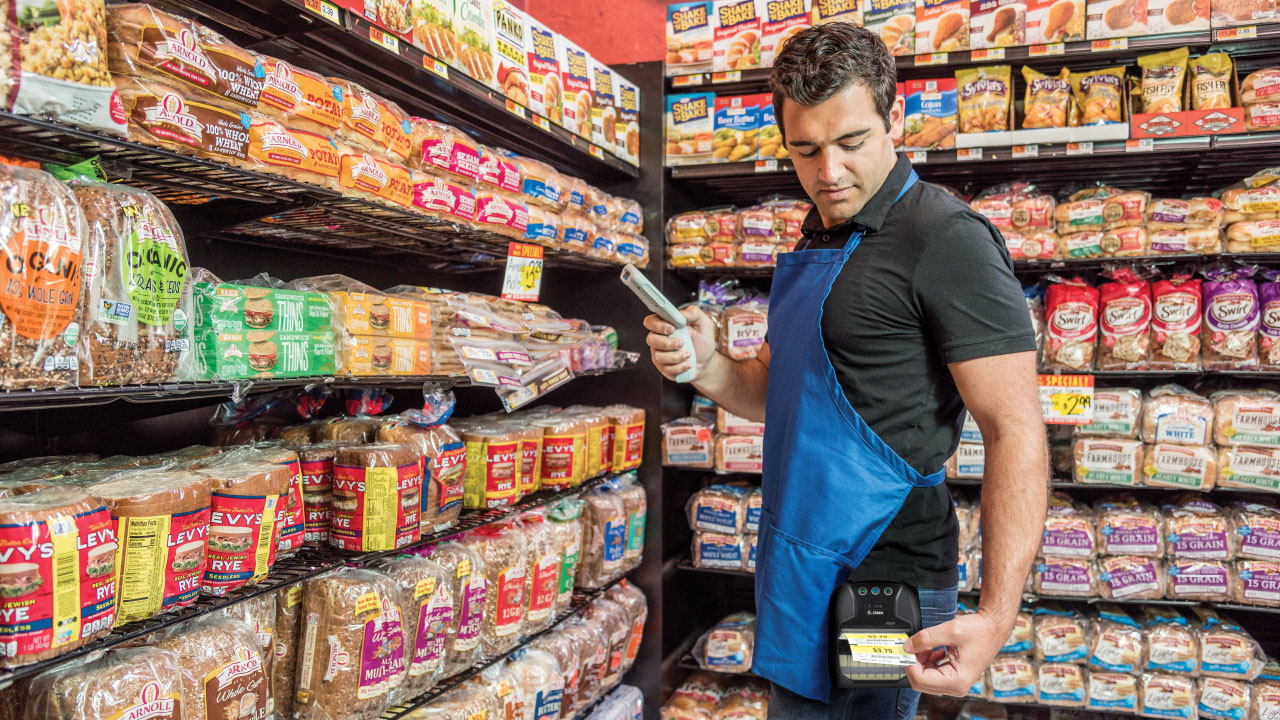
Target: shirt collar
874,213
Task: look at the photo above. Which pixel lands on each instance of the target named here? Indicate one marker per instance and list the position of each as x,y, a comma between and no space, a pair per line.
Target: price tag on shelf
435,66
686,80
541,122
1025,151
1247,32
1046,50
328,11
523,279
766,166
1080,148
918,156
726,77
931,59
964,154
516,109
1066,399
385,39
596,152
1143,145
988,54
1110,45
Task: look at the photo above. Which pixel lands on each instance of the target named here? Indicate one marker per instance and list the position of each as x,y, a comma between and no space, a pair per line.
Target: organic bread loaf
36,349
428,606
354,650
505,565
1167,696
377,495
59,572
243,534
465,573
288,627
126,682
1172,644
221,668
130,330
157,572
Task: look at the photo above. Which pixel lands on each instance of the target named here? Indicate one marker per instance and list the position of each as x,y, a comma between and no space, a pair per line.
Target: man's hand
669,355
969,642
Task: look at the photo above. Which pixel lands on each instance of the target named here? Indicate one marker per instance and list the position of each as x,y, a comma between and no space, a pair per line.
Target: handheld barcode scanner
869,623
662,307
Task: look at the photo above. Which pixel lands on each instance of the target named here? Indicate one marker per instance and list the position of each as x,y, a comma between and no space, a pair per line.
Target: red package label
317,474
530,451
1071,313
155,576
318,514
546,577
290,513
1126,309
243,538
557,460
500,172
511,601
57,582
606,448
375,508
457,158
637,634
629,451
449,468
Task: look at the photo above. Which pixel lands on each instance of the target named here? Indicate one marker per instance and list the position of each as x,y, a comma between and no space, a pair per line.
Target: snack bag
1211,82
1071,324
1100,95
985,97
1162,76
1048,99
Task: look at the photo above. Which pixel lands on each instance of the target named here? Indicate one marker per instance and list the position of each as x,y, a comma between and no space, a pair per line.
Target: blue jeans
936,607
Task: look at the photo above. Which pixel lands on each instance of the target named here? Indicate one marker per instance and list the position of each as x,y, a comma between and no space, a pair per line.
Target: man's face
841,150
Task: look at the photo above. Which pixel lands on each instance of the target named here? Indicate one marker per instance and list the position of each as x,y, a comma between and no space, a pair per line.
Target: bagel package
161,522
243,532
377,497
57,574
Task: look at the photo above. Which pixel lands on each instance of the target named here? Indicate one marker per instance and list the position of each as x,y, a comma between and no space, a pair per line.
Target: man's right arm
738,386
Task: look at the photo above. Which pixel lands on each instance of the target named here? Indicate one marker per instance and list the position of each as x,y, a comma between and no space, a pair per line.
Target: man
898,310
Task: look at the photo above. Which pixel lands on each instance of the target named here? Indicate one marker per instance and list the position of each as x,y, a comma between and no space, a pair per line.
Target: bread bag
1124,321
221,668
1131,577
377,497
1071,323
316,463
634,603
636,505
743,328
1258,235
492,467
1256,582
739,453
1012,679
1069,529
502,213
688,442
1258,526
126,682
1198,580
1226,650
1225,699
1061,684
295,154
1172,643
1173,414
1112,692
1061,635
1167,696
500,684
538,675
444,462
1197,529
564,451
617,628
62,547
1108,462
259,614
541,184
628,436
184,119
505,567
727,647
1266,695
1243,417
288,630
1075,577
542,580
157,573
719,509
593,653
561,647
428,607
299,98
1176,214
347,429
354,650
604,530
243,533
290,512
1127,527
1175,322
1118,644
1231,319
465,572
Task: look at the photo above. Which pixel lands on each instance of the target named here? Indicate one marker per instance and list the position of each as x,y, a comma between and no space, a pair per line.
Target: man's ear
897,112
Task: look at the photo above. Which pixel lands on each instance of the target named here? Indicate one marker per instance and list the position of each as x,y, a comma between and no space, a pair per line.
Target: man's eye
810,154
851,148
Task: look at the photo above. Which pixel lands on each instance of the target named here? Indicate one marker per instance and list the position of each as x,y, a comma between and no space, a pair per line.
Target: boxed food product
261,353
770,136
737,128
1116,18
1175,16
930,114
626,142
510,59
997,23
473,22
1226,13
894,21
575,78
941,26
1053,21
825,11
690,127
604,102
736,40
690,38
543,61
781,21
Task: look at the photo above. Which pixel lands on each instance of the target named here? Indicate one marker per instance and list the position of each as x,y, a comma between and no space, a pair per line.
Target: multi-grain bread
543,577
221,669
180,118
566,526
126,682
354,649
428,606
465,572
288,627
593,652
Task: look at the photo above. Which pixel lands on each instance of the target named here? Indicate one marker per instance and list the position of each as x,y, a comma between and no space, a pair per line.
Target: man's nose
830,168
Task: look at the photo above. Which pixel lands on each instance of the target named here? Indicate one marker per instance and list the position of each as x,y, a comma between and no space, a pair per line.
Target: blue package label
720,554
615,540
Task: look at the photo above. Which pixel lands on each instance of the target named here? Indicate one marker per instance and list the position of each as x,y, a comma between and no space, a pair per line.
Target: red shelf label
1109,45
1046,50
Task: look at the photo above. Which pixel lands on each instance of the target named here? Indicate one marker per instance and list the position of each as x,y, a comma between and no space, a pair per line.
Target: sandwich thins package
511,65
689,38
575,79
542,46
736,41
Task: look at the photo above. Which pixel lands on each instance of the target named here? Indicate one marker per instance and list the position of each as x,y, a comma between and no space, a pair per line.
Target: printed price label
1110,45
516,109
1143,145
435,66
1025,151
1080,148
386,40
964,154
523,279
686,80
328,11
1046,50
989,54
541,122
766,166
596,152
931,59
726,77
1066,399
1247,32
918,156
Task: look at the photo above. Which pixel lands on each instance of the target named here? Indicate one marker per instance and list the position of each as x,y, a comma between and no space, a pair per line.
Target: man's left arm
1000,392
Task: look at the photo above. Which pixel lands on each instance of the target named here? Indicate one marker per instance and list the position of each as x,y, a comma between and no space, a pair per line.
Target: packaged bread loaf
243,533
1127,527
1180,466
718,551
362,122
350,614
299,98
126,682
1071,321
443,150
1231,319
1131,577
599,435
1269,327
157,573
1172,645
743,328
1118,644
632,600
290,512
465,572
1173,414
1061,635
1258,527
538,675
565,518
1124,321
444,463
499,683
1176,214
542,580
1074,577
492,468
1175,322
1256,582
1225,699
739,453
1115,413
1197,529
541,184
171,50
60,572
1069,529
37,338
564,451
377,496
1167,696
1112,692
727,647
128,332
688,442
183,119
347,429
1266,695
1012,679
288,629
316,463
1198,580
1109,462
502,553
617,629
561,647
221,668
1226,650
259,615
295,154
593,652
636,505
1061,684
1021,639
603,538
1243,417
628,436
460,703
428,607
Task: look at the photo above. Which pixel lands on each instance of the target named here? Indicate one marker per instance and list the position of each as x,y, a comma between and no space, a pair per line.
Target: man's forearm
1014,496
738,386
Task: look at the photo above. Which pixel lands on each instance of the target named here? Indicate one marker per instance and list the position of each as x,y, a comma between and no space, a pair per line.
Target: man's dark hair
825,59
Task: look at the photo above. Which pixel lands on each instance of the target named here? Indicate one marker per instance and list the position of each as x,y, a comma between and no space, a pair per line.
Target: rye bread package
139,682
243,532
1229,335
57,574
377,497
221,667
1071,325
354,650
290,512
1175,323
444,464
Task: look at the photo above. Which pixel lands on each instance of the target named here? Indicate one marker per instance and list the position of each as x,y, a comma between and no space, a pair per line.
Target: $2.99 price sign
1066,399
523,279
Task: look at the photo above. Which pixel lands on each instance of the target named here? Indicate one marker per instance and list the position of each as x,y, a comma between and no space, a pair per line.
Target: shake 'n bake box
825,11
783,20
543,50
575,76
942,26
690,126
690,38
736,35
894,21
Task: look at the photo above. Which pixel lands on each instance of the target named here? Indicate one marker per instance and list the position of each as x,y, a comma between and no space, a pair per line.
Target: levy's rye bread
444,462
243,532
377,497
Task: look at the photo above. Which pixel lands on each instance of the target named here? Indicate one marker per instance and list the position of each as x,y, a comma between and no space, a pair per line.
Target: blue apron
831,485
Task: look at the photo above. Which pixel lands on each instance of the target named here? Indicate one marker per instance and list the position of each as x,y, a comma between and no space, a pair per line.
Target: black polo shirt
931,283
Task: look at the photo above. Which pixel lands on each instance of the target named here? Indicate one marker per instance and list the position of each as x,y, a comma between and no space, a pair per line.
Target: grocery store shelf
687,662
686,564
1032,597
308,563
1059,484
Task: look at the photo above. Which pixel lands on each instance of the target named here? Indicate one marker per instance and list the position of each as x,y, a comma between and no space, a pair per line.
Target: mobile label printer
870,620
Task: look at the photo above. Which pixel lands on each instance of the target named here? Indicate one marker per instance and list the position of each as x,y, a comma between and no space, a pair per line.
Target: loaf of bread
290,521
1229,334
1073,577
968,461
428,606
743,328
1198,580
603,538
221,668
295,154
316,463
1226,649
1173,414
636,606
541,184
1171,642
1243,417
444,463
180,117
1012,679
1180,466
1223,699
288,629
460,703
1185,241
1256,582
1127,527
688,442
1118,644
537,674
617,628
1115,414
502,213
1249,468
1112,692
259,614
1131,577
1266,696
1167,696
132,682
727,647
377,496
1258,526
560,646
1061,684
1069,529
347,429
465,572
243,533
1197,529
593,648
1176,214
715,550
1061,635
506,564
1108,461
566,526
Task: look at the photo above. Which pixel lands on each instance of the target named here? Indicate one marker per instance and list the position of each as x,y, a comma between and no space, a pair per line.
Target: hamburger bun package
243,530
127,682
157,572
57,573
